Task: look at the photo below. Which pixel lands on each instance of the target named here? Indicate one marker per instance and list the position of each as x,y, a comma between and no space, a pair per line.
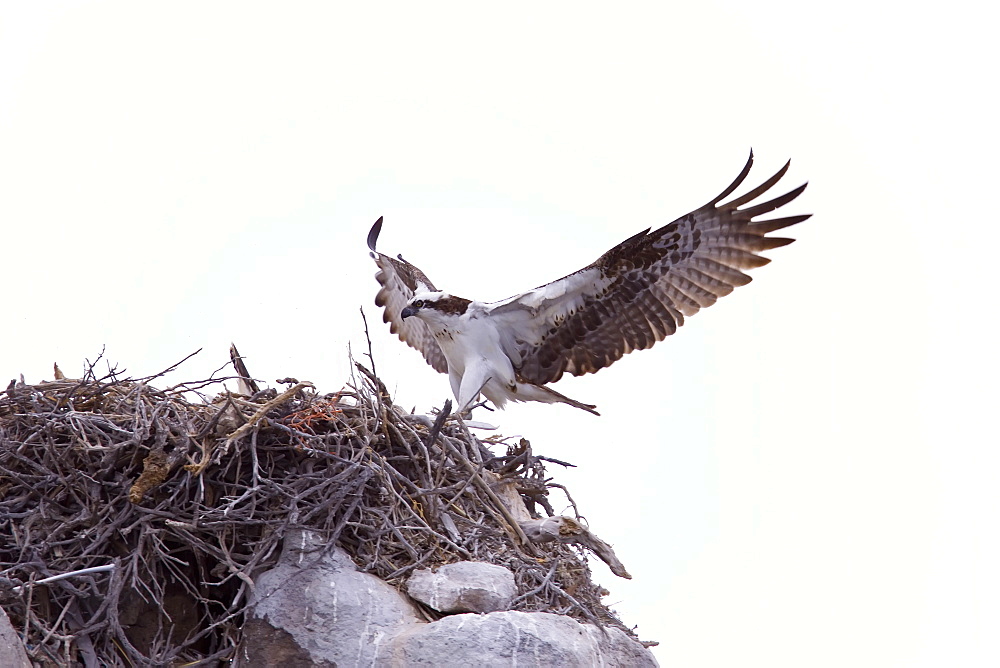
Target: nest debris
188,496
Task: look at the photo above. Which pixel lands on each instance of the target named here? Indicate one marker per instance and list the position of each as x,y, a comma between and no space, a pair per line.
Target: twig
63,576
263,410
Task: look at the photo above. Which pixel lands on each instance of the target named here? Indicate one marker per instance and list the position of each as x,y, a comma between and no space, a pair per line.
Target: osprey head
434,302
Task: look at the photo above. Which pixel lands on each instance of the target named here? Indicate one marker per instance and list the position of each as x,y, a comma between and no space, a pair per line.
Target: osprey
634,295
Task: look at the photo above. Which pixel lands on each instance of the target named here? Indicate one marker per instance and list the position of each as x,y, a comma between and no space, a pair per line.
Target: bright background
806,475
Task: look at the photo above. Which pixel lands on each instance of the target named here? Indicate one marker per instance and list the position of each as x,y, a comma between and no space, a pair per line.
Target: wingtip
373,234
735,184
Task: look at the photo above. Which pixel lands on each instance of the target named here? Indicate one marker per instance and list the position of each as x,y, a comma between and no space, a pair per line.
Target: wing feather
639,292
768,207
759,190
696,294
728,275
400,280
765,226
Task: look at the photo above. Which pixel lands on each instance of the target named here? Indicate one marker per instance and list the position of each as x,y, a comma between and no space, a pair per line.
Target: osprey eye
418,304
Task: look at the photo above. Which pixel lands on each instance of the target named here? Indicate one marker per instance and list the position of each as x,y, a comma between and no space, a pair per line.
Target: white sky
806,475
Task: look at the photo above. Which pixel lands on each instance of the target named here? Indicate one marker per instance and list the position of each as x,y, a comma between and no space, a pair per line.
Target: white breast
471,344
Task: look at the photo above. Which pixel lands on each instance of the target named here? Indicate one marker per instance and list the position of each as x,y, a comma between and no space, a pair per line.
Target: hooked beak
407,312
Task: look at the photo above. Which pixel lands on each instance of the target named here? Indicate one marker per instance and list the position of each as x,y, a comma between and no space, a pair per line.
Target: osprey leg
474,379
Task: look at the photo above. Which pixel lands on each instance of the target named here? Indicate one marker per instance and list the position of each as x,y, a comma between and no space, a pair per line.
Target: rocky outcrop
314,608
465,586
509,638
12,654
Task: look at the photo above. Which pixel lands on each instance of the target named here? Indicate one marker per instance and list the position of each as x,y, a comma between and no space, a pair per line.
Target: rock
514,638
315,609
465,586
617,648
12,652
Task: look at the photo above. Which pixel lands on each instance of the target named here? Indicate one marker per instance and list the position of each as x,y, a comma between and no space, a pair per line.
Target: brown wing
400,280
244,381
639,291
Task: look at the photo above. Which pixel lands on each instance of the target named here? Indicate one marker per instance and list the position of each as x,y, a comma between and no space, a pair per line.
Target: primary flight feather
634,295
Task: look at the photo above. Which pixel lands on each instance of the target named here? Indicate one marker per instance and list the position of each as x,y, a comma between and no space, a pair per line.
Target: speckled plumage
634,295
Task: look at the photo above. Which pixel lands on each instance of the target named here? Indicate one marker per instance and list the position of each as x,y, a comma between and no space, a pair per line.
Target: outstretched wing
400,280
639,291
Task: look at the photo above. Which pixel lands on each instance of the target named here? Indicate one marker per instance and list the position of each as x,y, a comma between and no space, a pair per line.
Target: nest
179,497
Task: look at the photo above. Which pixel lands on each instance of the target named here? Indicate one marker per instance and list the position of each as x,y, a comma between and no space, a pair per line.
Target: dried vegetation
187,492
